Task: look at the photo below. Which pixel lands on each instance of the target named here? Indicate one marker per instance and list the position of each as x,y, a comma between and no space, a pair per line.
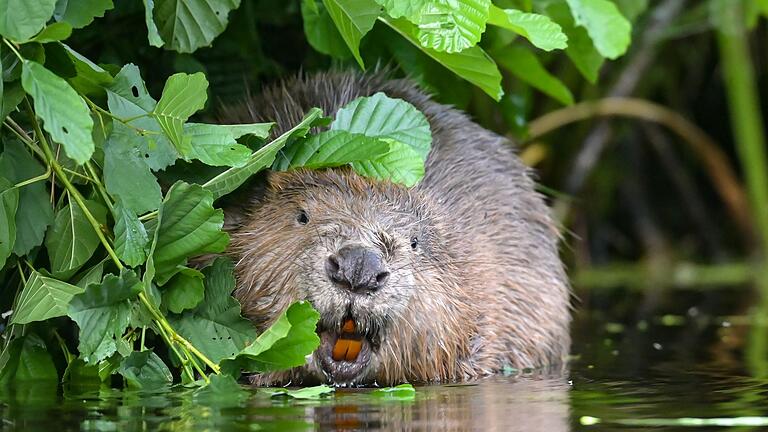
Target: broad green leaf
285,344
184,291
471,64
92,275
541,31
581,51
22,19
127,97
183,95
259,130
187,226
131,239
215,325
399,392
9,201
609,30
320,30
2,98
354,19
215,145
380,116
401,164
330,149
221,390
12,96
409,9
27,359
65,115
90,78
153,35
186,25
71,240
102,313
43,298
316,392
124,158
80,13
526,66
230,179
145,370
54,32
452,26
34,212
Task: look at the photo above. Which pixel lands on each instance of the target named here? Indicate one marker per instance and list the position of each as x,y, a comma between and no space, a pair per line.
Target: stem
42,176
746,119
74,193
123,121
184,360
22,135
13,48
99,184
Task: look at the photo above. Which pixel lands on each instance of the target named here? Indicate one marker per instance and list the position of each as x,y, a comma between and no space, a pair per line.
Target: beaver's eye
302,217
414,243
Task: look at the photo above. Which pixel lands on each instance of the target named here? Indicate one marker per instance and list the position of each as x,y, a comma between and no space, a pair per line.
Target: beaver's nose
357,268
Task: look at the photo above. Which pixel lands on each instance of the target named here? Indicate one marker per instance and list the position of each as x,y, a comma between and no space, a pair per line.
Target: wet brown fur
485,290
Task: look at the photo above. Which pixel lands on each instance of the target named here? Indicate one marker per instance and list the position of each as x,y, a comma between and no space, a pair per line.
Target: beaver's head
377,263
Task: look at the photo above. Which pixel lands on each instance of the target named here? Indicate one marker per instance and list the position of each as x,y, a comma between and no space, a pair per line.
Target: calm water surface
658,365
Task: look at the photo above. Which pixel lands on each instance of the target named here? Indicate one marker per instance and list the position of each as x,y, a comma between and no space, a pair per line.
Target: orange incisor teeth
347,348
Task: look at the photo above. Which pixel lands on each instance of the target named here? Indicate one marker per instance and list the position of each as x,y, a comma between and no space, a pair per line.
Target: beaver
455,278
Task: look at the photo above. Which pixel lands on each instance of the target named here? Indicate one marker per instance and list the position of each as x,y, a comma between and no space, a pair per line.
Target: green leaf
230,179
452,26
92,275
65,115
187,226
215,326
90,78
522,63
541,31
128,97
380,116
43,298
609,30
9,201
102,313
27,359
131,239
285,344
321,32
354,19
399,392
153,35
310,393
221,390
22,19
80,13
145,370
186,25
471,64
184,291
71,240
399,8
259,130
12,95
124,158
631,9
183,95
215,145
401,164
330,149
54,32
34,212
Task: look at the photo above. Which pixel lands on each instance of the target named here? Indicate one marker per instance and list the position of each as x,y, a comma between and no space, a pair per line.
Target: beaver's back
509,243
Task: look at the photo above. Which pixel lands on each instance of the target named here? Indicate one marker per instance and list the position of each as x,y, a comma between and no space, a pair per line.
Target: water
660,366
